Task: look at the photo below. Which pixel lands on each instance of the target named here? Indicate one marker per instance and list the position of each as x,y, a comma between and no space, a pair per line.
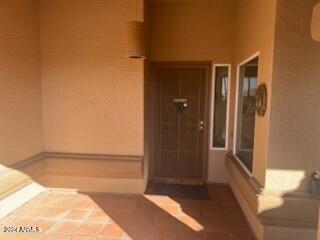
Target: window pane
220,106
246,112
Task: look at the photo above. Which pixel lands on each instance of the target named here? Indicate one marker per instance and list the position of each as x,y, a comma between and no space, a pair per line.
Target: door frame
154,120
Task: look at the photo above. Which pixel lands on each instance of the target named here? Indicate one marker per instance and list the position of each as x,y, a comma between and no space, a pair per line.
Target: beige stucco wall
255,33
92,93
286,139
295,113
319,225
288,57
192,30
195,30
20,87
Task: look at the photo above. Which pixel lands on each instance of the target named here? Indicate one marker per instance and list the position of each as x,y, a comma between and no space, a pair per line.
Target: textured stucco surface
295,111
315,23
192,30
319,225
92,93
195,31
20,87
255,33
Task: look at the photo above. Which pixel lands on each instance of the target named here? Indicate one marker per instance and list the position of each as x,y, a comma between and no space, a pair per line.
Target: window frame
212,105
236,130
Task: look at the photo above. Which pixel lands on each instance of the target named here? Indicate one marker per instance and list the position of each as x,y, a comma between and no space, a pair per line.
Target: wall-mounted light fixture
136,40
315,23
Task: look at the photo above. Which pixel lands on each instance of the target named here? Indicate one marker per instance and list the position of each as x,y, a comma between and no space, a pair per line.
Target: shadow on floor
165,212
179,191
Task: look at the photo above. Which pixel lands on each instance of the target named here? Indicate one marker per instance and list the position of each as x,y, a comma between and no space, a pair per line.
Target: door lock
201,124
181,104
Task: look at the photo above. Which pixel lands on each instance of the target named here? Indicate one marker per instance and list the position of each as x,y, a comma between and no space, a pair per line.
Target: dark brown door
181,122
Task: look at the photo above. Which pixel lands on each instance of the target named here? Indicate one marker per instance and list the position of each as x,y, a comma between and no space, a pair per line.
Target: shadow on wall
294,121
295,210
93,172
16,176
275,214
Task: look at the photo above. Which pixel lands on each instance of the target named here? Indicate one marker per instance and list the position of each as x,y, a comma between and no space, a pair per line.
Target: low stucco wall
273,214
93,173
22,181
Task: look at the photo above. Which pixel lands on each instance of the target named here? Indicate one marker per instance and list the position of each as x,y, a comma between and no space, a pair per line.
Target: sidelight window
245,124
220,101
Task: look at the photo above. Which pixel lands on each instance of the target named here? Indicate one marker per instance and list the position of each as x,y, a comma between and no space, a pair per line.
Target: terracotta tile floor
80,216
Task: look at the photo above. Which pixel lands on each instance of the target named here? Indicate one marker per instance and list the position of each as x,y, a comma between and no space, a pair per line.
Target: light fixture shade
315,23
136,40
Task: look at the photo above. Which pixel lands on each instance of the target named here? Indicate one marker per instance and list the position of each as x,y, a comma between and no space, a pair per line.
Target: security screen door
181,96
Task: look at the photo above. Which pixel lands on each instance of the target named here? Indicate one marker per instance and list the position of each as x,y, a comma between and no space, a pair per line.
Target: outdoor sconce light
315,23
261,100
136,40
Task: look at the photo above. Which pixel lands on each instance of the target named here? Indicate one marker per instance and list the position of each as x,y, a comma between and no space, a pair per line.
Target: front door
181,109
